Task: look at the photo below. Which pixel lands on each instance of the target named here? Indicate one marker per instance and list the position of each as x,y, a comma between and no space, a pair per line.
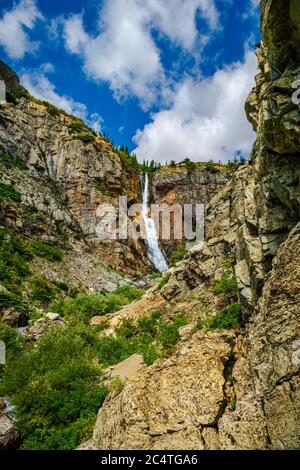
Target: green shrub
13,97
14,256
53,110
227,284
17,162
50,253
227,318
55,388
32,209
42,291
8,191
164,280
211,168
178,255
81,131
155,276
85,306
103,188
86,137
150,336
129,161
190,166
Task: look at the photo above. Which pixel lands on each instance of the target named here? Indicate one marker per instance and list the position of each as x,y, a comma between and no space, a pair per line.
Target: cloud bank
206,119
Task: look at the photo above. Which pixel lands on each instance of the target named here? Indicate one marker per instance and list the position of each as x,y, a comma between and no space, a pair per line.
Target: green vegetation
103,188
230,379
85,306
11,161
129,161
86,137
150,167
7,191
14,97
155,276
50,253
164,280
190,166
151,336
55,387
212,168
233,405
227,284
81,131
42,291
15,253
227,318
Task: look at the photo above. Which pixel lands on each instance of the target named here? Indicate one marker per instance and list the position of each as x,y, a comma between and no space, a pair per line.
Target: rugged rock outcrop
236,390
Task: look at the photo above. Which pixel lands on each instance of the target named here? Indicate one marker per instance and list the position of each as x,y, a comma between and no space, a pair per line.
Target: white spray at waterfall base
155,253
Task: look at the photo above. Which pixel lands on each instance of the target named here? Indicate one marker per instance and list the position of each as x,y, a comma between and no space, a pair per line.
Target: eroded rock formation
187,400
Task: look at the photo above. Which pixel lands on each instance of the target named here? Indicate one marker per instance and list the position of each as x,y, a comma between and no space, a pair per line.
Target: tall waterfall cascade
155,253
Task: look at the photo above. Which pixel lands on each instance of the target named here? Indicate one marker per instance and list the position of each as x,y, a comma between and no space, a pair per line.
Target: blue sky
167,78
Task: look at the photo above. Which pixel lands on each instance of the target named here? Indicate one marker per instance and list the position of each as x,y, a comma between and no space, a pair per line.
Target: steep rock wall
256,216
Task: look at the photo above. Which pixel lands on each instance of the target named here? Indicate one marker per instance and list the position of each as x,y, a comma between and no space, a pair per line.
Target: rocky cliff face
188,184
239,389
63,172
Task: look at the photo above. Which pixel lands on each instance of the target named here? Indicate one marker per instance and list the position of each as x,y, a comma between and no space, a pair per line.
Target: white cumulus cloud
14,24
124,53
39,85
206,119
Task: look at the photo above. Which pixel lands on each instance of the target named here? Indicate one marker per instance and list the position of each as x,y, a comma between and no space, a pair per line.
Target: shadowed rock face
184,402
9,77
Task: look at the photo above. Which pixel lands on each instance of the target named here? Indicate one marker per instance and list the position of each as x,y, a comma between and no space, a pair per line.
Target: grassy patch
11,161
151,336
81,131
42,291
50,253
103,188
15,253
178,254
85,306
85,137
7,191
164,280
227,284
227,318
55,387
211,168
129,161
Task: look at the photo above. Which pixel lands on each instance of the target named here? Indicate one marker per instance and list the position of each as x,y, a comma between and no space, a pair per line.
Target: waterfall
155,253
